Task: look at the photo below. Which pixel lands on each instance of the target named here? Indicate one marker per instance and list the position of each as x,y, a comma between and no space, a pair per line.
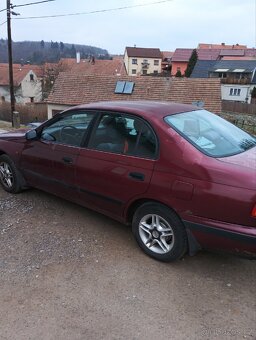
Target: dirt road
69,273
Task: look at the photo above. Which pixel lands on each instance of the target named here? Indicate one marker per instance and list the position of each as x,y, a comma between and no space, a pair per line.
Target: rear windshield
211,134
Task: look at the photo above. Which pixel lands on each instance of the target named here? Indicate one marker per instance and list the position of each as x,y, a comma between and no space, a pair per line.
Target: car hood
245,159
14,134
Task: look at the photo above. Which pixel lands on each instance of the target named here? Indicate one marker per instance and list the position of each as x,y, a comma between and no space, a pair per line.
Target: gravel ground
69,273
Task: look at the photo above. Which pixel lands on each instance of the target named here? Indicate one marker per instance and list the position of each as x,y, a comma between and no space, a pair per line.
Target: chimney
77,57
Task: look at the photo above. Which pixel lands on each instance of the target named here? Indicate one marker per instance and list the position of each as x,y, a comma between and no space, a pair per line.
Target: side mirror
32,134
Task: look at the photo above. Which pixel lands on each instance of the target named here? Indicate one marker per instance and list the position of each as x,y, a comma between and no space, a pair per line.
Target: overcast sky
166,25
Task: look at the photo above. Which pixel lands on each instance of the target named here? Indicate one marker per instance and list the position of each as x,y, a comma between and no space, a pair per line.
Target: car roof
144,108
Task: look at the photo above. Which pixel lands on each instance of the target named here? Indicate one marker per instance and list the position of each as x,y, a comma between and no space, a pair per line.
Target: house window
156,62
144,71
234,92
133,71
134,61
31,77
155,72
31,99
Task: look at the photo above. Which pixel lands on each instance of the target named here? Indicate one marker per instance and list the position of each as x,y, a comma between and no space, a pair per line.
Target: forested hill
38,52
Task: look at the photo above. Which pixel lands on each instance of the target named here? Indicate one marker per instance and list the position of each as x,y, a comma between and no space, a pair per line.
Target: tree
253,93
191,63
178,74
50,73
42,44
62,46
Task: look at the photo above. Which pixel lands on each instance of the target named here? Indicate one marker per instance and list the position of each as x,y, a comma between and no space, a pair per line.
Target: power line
2,10
3,23
32,3
93,12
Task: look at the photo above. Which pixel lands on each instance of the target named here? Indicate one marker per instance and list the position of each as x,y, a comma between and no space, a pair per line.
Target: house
73,89
238,77
181,56
27,83
180,60
142,61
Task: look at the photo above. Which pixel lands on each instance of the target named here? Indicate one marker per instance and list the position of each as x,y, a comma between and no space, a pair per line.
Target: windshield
211,134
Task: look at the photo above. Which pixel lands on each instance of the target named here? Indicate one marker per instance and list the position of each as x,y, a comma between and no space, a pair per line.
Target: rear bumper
221,236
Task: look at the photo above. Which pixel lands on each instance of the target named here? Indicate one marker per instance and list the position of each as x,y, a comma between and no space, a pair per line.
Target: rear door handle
67,160
137,175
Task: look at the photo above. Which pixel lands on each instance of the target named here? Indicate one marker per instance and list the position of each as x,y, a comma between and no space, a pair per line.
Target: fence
31,112
238,107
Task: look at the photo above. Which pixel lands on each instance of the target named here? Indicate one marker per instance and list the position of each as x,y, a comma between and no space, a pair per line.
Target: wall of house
178,65
5,94
54,108
138,69
31,88
235,92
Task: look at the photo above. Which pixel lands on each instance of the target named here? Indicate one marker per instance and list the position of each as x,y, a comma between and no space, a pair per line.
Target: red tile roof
167,55
143,52
230,52
19,73
211,54
182,54
221,46
74,89
100,67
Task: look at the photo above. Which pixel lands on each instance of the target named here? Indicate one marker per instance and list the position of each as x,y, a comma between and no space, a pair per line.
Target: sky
166,25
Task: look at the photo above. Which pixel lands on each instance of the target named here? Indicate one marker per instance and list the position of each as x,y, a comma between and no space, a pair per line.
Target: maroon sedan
184,178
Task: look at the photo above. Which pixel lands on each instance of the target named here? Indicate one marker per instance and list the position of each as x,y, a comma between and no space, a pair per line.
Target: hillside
38,52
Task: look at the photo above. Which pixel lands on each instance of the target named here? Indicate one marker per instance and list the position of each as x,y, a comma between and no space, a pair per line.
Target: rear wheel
159,232
10,177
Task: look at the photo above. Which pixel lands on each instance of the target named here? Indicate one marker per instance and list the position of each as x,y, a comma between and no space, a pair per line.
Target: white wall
52,107
244,95
31,88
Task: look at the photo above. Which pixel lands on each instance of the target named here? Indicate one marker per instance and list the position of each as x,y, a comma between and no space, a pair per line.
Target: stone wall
244,121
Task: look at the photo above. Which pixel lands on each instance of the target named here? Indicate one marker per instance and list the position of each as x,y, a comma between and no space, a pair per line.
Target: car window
125,135
68,129
211,134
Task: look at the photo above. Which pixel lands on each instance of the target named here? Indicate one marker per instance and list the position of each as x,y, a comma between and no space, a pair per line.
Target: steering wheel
68,134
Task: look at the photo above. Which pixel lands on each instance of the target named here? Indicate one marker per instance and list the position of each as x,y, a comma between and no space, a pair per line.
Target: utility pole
9,34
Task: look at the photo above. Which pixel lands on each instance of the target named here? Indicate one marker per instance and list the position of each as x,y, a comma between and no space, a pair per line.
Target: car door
117,164
49,161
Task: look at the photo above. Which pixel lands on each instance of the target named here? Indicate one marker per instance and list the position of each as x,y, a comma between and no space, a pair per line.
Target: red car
184,178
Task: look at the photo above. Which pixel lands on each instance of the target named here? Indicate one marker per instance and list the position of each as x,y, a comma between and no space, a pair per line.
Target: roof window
125,87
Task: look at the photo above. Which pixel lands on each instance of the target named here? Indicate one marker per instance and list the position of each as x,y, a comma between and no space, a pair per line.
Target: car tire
10,177
159,232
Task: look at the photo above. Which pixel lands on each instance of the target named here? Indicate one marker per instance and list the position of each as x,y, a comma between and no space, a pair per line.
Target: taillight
253,213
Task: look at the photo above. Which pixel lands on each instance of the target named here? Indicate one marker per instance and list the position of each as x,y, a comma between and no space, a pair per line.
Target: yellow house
142,61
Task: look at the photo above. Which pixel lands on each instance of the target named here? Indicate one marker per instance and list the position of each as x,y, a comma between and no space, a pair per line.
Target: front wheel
10,177
159,232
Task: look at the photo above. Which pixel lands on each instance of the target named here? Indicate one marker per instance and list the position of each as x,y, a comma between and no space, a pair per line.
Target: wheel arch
138,203
193,245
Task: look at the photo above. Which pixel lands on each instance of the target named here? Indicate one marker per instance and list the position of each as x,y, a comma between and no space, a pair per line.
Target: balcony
235,81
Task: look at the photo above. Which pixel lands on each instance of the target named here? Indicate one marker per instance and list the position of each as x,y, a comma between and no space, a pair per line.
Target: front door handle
137,175
67,160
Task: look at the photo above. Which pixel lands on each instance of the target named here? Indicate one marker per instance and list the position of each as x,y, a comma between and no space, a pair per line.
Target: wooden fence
31,112
237,107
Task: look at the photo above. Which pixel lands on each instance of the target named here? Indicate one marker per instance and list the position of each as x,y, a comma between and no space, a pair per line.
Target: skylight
125,87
